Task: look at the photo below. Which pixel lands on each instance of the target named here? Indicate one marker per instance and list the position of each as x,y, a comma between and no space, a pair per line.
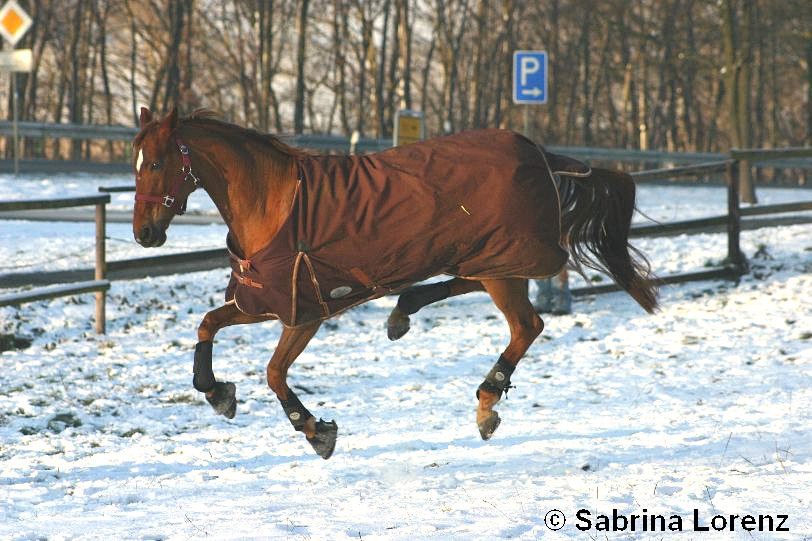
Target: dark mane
206,118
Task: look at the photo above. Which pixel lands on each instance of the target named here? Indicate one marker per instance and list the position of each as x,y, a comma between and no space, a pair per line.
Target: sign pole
14,23
14,121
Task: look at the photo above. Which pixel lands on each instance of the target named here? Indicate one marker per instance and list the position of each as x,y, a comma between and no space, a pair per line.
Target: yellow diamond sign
14,22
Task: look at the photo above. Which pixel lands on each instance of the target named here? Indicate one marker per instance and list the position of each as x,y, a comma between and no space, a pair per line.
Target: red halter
169,200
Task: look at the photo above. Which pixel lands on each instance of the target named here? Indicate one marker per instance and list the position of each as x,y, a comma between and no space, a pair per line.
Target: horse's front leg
221,395
320,434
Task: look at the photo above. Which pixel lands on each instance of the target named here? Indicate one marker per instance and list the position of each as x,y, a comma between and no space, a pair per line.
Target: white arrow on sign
535,91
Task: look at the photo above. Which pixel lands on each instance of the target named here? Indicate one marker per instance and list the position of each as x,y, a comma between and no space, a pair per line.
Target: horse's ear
146,117
171,121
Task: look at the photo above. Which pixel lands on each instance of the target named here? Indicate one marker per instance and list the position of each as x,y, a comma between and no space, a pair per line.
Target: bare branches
676,74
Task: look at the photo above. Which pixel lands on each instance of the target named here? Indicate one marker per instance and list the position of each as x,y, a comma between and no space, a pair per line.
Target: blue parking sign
529,77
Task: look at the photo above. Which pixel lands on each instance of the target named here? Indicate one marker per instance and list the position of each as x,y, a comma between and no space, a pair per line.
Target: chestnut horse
264,190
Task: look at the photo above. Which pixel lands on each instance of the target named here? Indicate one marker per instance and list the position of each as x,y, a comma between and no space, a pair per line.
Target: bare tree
301,31
641,73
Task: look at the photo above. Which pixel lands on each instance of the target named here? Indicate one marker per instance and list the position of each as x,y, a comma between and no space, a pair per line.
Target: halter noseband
170,200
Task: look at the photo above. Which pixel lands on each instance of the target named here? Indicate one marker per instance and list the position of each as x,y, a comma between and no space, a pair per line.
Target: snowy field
703,408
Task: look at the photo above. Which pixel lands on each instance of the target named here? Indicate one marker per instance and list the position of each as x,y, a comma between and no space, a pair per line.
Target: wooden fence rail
202,260
52,292
100,284
734,265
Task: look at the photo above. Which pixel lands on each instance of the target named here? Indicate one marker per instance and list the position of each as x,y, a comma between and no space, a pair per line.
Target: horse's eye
155,166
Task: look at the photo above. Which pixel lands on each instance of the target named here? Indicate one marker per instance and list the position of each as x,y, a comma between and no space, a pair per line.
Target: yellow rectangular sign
409,127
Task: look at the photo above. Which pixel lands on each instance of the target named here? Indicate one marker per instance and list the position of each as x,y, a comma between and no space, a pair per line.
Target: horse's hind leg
414,298
221,395
510,296
321,435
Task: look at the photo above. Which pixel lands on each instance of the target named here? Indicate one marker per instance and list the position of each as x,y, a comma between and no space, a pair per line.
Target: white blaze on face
140,160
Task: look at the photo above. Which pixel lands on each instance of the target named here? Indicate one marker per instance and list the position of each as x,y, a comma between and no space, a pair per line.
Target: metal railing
792,157
42,130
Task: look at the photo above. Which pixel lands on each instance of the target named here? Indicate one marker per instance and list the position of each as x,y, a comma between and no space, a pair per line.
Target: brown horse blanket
480,204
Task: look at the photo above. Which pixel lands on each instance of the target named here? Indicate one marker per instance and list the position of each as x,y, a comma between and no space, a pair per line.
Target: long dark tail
596,215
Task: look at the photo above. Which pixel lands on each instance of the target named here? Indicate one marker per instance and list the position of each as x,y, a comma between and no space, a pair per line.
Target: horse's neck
253,203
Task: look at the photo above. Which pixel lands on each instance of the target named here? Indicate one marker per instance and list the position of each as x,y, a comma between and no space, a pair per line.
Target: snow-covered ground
704,406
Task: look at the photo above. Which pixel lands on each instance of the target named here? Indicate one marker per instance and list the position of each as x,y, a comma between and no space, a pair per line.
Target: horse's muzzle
151,236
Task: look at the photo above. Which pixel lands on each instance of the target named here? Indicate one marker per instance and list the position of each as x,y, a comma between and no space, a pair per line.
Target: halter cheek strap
170,200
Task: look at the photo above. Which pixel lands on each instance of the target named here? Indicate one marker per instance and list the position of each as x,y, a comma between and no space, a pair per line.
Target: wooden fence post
734,255
101,266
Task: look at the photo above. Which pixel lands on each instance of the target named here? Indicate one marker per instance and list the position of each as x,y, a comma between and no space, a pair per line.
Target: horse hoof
489,425
324,441
224,399
397,325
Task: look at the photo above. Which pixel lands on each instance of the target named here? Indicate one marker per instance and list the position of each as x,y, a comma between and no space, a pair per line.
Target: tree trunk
552,130
586,60
404,54
171,95
301,30
808,138
362,55
101,21
39,37
692,125
391,86
380,71
424,80
133,58
340,38
78,66
478,81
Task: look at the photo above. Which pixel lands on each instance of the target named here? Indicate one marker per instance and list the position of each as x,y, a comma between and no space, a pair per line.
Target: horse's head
163,177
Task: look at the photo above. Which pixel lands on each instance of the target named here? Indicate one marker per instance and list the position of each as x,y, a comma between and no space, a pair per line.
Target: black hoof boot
496,383
489,425
324,441
224,399
397,325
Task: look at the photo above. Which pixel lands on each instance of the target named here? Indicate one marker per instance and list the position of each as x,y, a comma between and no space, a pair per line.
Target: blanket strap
244,280
362,277
245,264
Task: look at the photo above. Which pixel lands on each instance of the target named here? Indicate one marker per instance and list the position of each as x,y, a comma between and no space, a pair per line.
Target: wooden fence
99,284
734,265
